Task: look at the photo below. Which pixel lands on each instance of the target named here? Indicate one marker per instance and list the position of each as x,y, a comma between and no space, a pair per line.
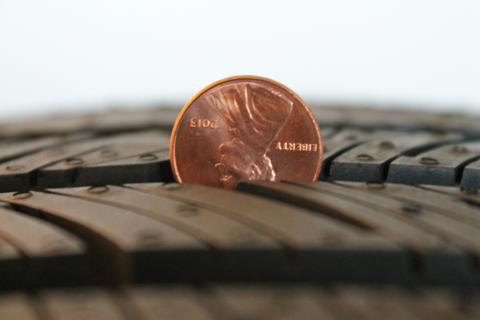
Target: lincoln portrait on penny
253,116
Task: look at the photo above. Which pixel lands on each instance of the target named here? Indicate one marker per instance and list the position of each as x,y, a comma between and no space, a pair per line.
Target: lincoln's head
253,115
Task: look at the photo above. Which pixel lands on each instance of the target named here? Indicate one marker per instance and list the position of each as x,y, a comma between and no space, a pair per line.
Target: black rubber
91,219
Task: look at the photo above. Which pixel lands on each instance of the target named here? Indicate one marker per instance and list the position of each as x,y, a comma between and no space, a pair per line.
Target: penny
245,128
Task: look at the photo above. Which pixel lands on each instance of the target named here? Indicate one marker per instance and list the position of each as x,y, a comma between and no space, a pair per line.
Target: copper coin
245,128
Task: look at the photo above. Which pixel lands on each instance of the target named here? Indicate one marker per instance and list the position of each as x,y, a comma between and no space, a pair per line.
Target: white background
81,55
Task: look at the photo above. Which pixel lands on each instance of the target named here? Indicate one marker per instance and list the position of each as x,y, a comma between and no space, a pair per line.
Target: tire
92,224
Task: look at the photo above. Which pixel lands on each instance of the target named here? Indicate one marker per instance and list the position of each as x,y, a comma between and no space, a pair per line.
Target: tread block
457,192
440,166
471,176
458,233
18,148
450,203
369,161
52,256
147,167
128,245
435,260
79,304
20,174
342,141
172,302
143,161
